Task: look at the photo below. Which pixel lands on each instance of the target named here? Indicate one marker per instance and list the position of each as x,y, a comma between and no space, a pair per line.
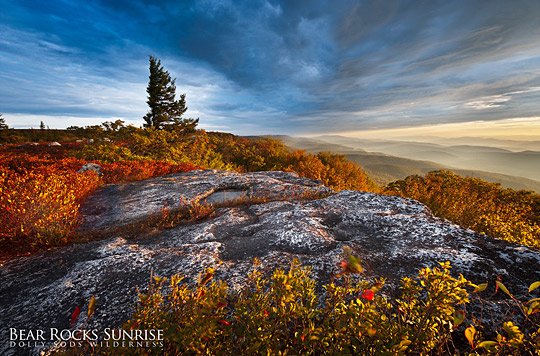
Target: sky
278,67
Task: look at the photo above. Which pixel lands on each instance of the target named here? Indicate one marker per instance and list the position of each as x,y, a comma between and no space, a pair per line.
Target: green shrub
106,152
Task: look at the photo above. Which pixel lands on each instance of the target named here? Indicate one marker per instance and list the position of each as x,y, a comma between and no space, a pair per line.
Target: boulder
121,204
90,167
273,216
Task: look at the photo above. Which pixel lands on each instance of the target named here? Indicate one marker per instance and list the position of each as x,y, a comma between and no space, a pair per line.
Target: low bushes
41,209
285,313
40,195
125,171
40,189
473,203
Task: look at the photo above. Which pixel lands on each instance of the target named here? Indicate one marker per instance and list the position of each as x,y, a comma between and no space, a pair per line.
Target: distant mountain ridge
409,158
507,144
524,164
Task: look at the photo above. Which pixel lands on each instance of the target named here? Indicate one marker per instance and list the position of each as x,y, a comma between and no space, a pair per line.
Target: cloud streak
269,66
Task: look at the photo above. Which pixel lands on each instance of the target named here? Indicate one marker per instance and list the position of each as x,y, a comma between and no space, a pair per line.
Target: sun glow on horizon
527,128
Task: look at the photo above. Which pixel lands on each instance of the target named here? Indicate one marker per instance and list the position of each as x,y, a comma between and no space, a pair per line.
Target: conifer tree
165,110
3,125
42,126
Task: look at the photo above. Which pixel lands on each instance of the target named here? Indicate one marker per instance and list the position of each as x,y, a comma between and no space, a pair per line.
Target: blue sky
287,67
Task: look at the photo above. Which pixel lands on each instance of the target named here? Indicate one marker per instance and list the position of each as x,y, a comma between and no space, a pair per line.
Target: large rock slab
120,204
394,237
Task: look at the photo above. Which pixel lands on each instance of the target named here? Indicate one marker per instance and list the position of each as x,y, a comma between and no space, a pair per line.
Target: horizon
391,70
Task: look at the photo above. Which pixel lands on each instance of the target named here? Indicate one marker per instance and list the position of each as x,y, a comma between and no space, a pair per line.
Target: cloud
49,78
276,66
526,128
495,101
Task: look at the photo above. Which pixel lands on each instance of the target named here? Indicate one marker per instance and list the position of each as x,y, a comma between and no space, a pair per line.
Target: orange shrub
20,162
41,192
470,202
138,170
40,209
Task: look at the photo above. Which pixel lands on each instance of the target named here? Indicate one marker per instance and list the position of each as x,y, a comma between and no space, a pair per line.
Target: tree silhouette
3,125
165,110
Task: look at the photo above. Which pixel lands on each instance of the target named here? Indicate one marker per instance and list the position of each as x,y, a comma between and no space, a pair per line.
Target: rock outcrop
90,167
272,219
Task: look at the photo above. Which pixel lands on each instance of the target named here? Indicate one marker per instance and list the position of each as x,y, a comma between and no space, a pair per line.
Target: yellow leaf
459,316
487,344
503,288
91,306
405,342
354,264
534,286
480,288
469,334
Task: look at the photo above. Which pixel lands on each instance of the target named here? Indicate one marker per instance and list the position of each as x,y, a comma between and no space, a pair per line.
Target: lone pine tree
165,110
3,125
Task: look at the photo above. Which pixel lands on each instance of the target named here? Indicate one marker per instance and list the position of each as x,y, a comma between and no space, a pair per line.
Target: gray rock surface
90,167
394,237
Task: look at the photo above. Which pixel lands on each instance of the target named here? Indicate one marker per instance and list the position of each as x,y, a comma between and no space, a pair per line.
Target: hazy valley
386,160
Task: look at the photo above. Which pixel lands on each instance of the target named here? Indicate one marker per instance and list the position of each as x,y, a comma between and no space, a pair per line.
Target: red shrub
41,191
40,208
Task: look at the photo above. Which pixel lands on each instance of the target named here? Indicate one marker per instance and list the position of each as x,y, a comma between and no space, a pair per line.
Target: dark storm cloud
277,66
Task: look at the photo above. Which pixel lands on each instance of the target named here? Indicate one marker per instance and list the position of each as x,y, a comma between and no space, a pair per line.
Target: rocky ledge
272,220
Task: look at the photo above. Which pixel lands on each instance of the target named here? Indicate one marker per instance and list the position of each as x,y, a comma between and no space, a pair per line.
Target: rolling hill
384,168
524,164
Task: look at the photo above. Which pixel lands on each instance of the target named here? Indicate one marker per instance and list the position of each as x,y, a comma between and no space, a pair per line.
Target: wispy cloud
497,101
490,102
275,66
523,128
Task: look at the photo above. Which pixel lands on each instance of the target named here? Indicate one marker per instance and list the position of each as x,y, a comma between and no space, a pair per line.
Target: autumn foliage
41,189
473,203
268,154
41,207
41,192
285,313
125,171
